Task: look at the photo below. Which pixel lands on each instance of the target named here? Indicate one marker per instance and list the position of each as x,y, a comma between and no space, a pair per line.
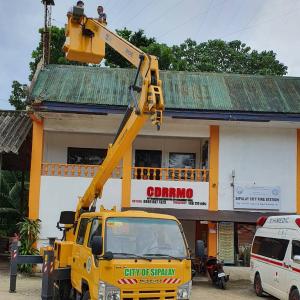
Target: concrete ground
239,286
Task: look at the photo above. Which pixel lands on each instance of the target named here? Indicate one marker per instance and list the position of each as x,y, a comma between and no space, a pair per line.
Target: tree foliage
114,59
225,57
57,56
211,56
18,95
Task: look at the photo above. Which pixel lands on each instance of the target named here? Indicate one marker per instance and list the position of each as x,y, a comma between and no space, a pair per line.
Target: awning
14,128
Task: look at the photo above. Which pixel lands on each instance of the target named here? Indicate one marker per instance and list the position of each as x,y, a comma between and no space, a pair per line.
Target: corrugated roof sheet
14,128
182,90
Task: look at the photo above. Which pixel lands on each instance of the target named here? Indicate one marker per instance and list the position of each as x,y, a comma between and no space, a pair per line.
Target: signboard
226,242
169,194
257,197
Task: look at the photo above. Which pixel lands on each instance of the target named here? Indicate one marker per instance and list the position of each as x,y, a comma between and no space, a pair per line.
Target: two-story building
227,153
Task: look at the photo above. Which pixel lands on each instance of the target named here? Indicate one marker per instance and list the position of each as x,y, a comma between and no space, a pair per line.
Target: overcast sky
262,24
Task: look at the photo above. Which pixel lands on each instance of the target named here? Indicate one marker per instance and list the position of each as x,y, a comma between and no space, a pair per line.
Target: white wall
260,156
61,193
56,145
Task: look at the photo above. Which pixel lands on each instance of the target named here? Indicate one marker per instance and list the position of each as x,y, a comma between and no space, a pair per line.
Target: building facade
227,153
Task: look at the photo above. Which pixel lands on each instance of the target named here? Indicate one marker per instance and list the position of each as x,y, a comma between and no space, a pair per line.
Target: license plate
221,275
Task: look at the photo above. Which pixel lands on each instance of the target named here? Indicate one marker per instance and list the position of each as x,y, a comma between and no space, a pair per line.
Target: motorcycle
211,265
216,272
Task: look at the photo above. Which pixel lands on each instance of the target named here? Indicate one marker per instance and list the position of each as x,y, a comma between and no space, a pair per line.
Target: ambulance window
81,231
295,248
96,230
270,247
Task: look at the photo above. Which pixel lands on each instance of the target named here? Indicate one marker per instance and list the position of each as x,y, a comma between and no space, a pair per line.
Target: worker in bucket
101,14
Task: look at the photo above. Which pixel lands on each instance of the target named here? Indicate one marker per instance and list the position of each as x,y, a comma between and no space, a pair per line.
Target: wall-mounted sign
257,197
169,194
226,242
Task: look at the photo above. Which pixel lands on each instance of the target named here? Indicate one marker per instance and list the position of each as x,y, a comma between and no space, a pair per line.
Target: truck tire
258,286
294,295
86,296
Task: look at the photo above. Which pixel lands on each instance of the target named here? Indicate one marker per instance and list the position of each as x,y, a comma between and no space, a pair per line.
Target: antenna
46,35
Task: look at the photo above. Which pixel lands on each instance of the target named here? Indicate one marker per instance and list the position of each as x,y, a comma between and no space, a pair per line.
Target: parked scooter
210,265
216,272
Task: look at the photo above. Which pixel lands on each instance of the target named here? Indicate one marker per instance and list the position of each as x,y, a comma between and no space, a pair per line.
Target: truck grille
149,295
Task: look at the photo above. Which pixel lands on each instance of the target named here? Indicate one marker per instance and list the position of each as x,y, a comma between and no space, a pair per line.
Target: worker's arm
150,104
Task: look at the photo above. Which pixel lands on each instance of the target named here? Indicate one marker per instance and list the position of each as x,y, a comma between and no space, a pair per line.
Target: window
182,161
270,247
86,156
148,159
81,231
96,230
295,248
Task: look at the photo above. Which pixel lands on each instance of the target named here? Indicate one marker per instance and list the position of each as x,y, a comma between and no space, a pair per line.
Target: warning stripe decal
171,280
127,281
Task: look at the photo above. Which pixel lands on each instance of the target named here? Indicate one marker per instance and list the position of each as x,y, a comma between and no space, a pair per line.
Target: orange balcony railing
74,170
142,173
175,174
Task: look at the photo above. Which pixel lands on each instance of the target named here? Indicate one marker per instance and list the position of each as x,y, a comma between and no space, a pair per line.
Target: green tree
57,56
114,59
18,95
225,57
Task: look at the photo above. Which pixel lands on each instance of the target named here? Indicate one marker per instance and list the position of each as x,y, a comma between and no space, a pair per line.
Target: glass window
81,231
86,156
96,230
270,247
295,248
145,236
184,161
148,159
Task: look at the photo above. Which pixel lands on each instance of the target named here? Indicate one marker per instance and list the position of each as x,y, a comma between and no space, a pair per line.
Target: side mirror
97,245
108,255
296,259
67,217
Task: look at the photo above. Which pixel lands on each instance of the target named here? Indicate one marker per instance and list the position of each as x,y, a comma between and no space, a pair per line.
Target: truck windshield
144,237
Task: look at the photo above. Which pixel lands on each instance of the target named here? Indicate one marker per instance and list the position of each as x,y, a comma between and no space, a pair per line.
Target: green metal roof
182,90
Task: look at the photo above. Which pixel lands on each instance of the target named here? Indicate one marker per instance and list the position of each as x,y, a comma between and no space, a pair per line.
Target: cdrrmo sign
170,192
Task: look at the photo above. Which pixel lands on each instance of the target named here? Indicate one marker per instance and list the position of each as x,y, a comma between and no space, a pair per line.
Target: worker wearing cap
78,4
101,14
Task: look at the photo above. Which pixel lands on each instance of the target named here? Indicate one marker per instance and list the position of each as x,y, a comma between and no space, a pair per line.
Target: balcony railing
142,173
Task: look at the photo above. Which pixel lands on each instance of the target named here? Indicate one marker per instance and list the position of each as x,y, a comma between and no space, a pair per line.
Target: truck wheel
86,296
294,295
258,286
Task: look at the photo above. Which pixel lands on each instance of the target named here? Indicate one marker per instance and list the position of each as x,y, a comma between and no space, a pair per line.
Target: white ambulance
275,257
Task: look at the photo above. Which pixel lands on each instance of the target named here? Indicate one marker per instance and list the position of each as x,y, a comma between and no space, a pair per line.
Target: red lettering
157,192
165,192
189,193
180,193
172,192
150,191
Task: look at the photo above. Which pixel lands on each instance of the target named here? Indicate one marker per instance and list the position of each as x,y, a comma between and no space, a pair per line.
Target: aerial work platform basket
83,40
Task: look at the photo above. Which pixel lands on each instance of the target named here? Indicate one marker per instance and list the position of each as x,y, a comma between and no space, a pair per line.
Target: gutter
59,107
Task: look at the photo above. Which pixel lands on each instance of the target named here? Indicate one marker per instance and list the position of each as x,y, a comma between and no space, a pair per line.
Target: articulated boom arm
150,104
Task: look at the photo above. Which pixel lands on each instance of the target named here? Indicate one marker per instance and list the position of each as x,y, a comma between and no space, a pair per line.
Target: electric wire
166,11
278,17
139,12
188,21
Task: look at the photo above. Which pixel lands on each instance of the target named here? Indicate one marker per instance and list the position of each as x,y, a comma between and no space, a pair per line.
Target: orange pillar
35,169
126,181
298,174
212,239
213,168
213,188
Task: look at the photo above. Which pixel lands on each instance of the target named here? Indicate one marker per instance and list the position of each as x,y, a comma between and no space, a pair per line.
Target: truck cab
129,255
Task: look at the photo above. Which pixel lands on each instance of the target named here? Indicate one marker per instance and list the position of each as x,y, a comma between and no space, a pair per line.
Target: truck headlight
108,292
184,291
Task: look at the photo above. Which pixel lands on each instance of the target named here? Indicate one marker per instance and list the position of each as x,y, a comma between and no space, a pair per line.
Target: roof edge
59,107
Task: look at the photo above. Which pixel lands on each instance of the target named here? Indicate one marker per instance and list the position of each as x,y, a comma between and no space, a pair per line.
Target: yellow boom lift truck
105,254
